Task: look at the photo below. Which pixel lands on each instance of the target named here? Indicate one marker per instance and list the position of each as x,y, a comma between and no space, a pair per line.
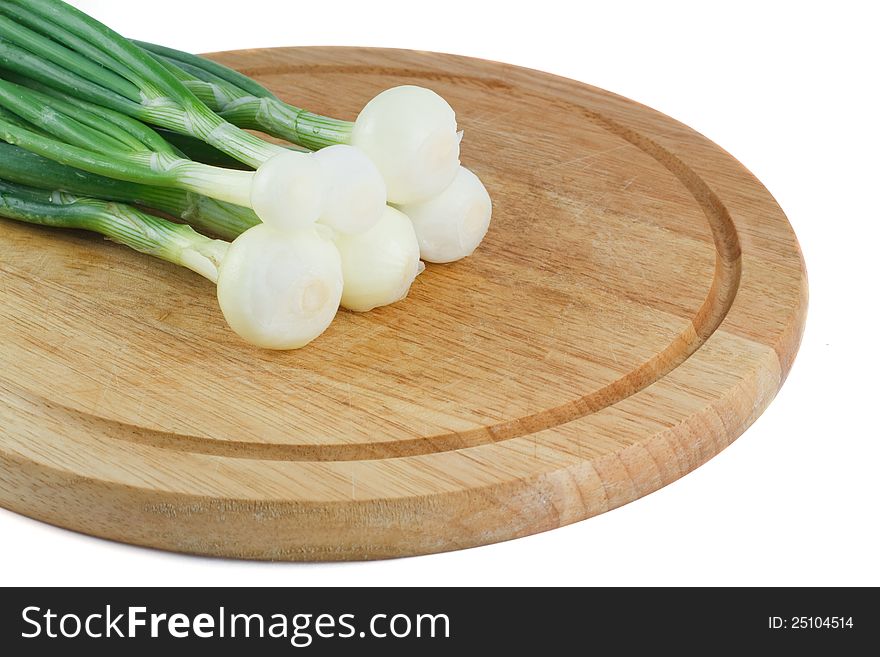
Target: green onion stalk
56,45
74,92
109,144
177,243
378,265
248,104
217,218
277,291
409,132
403,129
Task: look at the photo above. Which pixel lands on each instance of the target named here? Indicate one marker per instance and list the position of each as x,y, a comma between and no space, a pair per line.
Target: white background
791,90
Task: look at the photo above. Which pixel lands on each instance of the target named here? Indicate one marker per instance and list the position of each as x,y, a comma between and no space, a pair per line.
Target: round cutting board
636,304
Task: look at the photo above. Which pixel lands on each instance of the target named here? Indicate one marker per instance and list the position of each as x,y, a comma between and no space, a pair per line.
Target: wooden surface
636,304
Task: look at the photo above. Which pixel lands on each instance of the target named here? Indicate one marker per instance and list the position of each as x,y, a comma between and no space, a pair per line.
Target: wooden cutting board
636,305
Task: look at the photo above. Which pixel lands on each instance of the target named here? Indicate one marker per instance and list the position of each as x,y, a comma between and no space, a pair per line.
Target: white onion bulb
355,196
411,135
289,190
452,224
280,290
379,265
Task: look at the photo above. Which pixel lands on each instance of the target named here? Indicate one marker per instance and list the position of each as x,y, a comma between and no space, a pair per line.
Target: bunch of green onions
99,133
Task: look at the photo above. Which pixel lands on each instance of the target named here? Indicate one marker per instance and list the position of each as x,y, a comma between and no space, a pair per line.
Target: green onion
59,46
64,134
409,132
197,150
276,290
450,221
72,46
97,132
68,140
177,243
451,225
216,217
378,265
247,104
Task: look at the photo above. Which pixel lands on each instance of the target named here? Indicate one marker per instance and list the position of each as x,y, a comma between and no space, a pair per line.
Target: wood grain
636,305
